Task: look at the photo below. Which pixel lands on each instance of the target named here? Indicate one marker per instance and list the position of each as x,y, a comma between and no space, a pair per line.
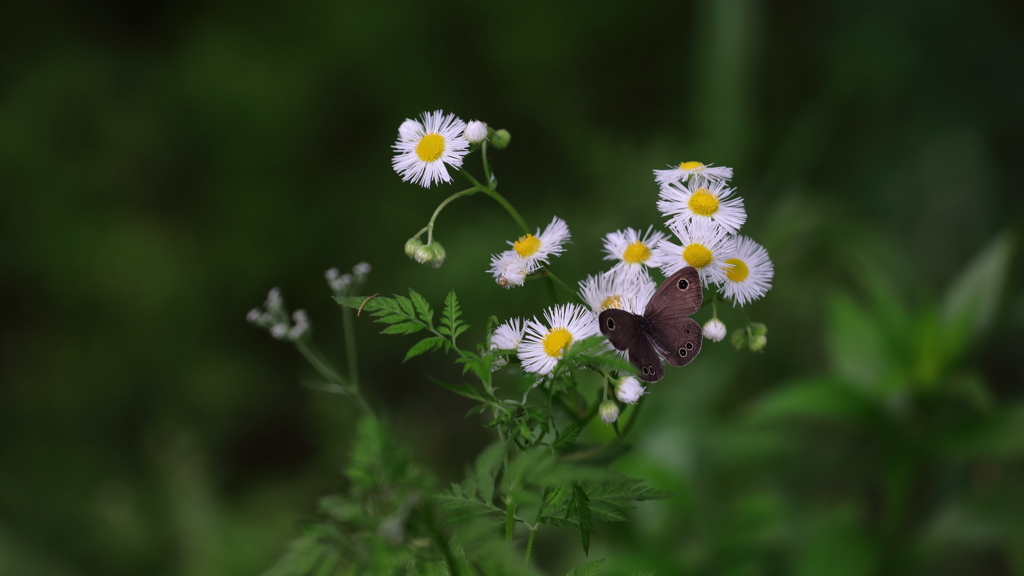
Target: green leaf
859,353
568,435
450,323
403,328
426,345
592,568
487,466
971,303
422,307
461,389
560,522
812,399
583,511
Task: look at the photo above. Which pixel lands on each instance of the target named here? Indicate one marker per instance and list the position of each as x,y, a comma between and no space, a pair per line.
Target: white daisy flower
535,249
629,390
508,269
423,148
700,173
749,273
703,245
542,346
476,131
632,250
714,330
506,337
710,202
618,290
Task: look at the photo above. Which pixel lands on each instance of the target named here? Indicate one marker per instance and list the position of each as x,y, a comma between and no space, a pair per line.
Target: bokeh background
164,164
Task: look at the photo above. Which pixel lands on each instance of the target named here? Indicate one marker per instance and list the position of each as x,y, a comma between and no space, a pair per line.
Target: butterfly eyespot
687,331
644,370
682,352
683,284
650,370
689,345
610,324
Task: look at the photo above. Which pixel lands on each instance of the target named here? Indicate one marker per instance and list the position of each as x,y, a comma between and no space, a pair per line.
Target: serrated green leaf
426,345
568,435
403,328
350,301
560,522
405,305
592,568
583,512
423,310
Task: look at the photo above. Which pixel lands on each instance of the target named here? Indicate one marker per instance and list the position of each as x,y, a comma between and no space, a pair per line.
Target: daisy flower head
506,337
712,202
695,172
703,245
632,249
423,148
615,289
749,271
535,249
544,343
629,390
509,269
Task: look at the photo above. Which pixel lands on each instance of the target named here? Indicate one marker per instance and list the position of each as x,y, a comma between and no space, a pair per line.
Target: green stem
529,543
510,518
448,200
487,169
350,346
500,199
328,371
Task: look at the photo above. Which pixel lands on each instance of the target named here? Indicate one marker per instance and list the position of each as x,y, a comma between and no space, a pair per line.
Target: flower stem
350,346
510,518
448,200
327,371
529,543
499,198
487,169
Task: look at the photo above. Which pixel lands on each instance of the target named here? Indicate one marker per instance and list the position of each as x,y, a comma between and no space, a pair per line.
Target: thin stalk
510,518
350,346
499,198
327,371
487,169
529,543
448,200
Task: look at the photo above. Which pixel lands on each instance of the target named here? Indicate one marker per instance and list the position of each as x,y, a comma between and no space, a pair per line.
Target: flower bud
476,131
423,254
758,342
758,329
361,269
714,330
411,246
501,138
409,131
609,411
279,331
739,339
253,316
439,254
629,390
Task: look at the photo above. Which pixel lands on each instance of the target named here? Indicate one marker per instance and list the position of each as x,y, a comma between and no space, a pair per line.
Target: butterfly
663,329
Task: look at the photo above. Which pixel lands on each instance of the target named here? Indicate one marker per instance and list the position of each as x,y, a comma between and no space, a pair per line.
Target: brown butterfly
664,328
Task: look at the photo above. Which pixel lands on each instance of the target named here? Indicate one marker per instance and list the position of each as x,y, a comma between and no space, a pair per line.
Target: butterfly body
664,330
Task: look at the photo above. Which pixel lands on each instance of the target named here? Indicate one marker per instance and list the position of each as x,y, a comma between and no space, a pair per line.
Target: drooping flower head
703,245
749,273
544,343
695,172
424,147
713,202
632,250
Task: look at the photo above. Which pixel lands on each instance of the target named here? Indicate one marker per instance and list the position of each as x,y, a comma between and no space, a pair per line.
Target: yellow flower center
702,202
690,166
430,147
739,270
697,256
611,302
527,245
556,340
636,253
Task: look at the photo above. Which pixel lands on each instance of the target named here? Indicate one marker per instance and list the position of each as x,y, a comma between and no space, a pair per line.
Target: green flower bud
501,139
423,255
609,411
757,343
739,339
438,254
758,329
411,246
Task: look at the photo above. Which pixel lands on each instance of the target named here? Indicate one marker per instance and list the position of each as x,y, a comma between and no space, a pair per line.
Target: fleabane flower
476,131
544,343
615,289
507,336
423,148
749,271
714,330
536,249
629,390
703,245
695,172
508,269
712,202
631,249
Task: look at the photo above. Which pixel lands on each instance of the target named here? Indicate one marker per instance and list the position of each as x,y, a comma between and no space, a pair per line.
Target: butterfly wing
673,334
625,332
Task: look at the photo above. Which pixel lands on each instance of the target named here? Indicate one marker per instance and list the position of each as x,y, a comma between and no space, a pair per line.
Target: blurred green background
163,164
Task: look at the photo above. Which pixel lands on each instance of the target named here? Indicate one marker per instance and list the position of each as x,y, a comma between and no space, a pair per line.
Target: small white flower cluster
341,283
528,254
705,216
425,146
274,317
